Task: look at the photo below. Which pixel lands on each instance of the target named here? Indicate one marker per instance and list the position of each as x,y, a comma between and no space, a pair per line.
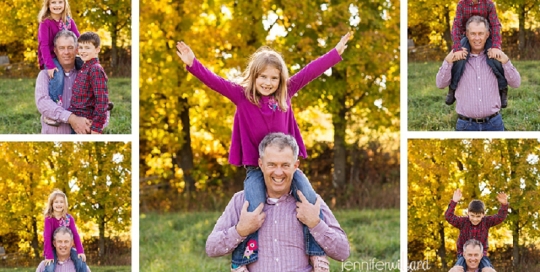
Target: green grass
19,114
427,110
176,241
93,268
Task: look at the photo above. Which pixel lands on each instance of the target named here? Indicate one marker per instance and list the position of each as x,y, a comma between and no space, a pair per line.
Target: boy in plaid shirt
465,10
90,93
475,225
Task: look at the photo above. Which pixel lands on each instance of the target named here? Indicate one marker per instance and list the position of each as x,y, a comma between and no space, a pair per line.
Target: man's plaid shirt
90,94
469,231
465,10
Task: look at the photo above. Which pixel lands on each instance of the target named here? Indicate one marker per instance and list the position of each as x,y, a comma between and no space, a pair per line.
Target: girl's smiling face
268,81
58,204
56,7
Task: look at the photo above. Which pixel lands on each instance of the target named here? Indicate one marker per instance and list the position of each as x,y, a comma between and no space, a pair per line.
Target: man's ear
297,164
260,163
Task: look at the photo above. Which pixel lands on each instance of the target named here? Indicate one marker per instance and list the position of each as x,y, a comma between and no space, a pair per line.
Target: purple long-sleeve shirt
48,108
51,224
251,122
281,239
469,231
48,29
477,93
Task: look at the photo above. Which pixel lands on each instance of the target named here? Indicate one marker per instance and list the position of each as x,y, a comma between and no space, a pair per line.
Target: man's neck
68,69
63,258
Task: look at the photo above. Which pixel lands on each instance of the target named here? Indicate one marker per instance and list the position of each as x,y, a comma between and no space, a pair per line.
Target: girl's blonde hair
45,13
263,57
49,210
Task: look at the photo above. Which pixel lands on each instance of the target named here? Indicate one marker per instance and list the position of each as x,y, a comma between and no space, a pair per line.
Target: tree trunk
184,156
442,247
35,242
114,47
340,152
515,240
447,35
522,14
101,251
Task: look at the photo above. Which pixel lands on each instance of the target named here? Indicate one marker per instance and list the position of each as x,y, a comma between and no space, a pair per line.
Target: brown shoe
504,97
110,106
450,97
320,263
50,121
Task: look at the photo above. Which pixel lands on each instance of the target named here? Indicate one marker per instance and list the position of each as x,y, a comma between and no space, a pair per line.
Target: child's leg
300,182
485,263
51,266
461,262
56,84
80,266
459,66
255,193
498,70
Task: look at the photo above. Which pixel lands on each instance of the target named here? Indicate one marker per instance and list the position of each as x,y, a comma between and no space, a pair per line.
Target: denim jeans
80,266
459,66
485,262
255,193
493,124
56,84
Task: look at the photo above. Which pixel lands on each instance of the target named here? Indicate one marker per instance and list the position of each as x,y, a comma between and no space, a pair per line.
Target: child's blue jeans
459,66
255,193
80,266
485,262
56,84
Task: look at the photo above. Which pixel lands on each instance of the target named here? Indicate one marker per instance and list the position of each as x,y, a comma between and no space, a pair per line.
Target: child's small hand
502,198
457,196
494,53
185,53
342,44
502,57
82,257
49,261
50,72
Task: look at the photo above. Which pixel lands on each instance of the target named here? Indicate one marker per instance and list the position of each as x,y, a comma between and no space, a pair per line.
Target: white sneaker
320,263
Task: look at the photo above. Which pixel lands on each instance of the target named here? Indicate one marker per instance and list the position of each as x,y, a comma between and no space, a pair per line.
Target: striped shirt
477,93
67,266
281,239
465,10
469,231
49,108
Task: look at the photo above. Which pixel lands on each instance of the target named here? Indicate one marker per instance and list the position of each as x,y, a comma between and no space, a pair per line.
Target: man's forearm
331,237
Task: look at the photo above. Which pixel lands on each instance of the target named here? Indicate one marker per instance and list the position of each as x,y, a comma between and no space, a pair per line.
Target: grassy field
427,110
176,241
93,268
19,114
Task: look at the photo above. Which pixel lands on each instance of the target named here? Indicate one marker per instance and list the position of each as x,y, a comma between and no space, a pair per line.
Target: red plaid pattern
465,10
469,231
90,94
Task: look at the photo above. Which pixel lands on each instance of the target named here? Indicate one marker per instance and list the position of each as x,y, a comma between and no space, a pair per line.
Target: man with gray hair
473,253
65,48
279,221
63,241
477,94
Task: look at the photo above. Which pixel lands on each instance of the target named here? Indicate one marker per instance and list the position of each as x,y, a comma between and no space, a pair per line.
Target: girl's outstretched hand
185,53
342,44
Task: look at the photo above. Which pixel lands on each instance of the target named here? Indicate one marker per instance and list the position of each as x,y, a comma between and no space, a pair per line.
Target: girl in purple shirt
263,105
54,16
56,215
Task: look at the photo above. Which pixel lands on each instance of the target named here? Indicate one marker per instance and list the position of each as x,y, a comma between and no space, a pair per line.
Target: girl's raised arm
185,53
342,44
77,239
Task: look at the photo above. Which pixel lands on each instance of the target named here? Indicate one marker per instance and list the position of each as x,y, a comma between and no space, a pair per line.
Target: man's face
66,50
472,255
62,242
475,218
278,168
477,34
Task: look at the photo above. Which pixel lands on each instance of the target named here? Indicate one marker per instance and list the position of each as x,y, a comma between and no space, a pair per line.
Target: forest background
481,168
95,176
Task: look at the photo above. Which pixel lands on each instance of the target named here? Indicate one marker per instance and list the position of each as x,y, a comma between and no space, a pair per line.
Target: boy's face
88,51
475,217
